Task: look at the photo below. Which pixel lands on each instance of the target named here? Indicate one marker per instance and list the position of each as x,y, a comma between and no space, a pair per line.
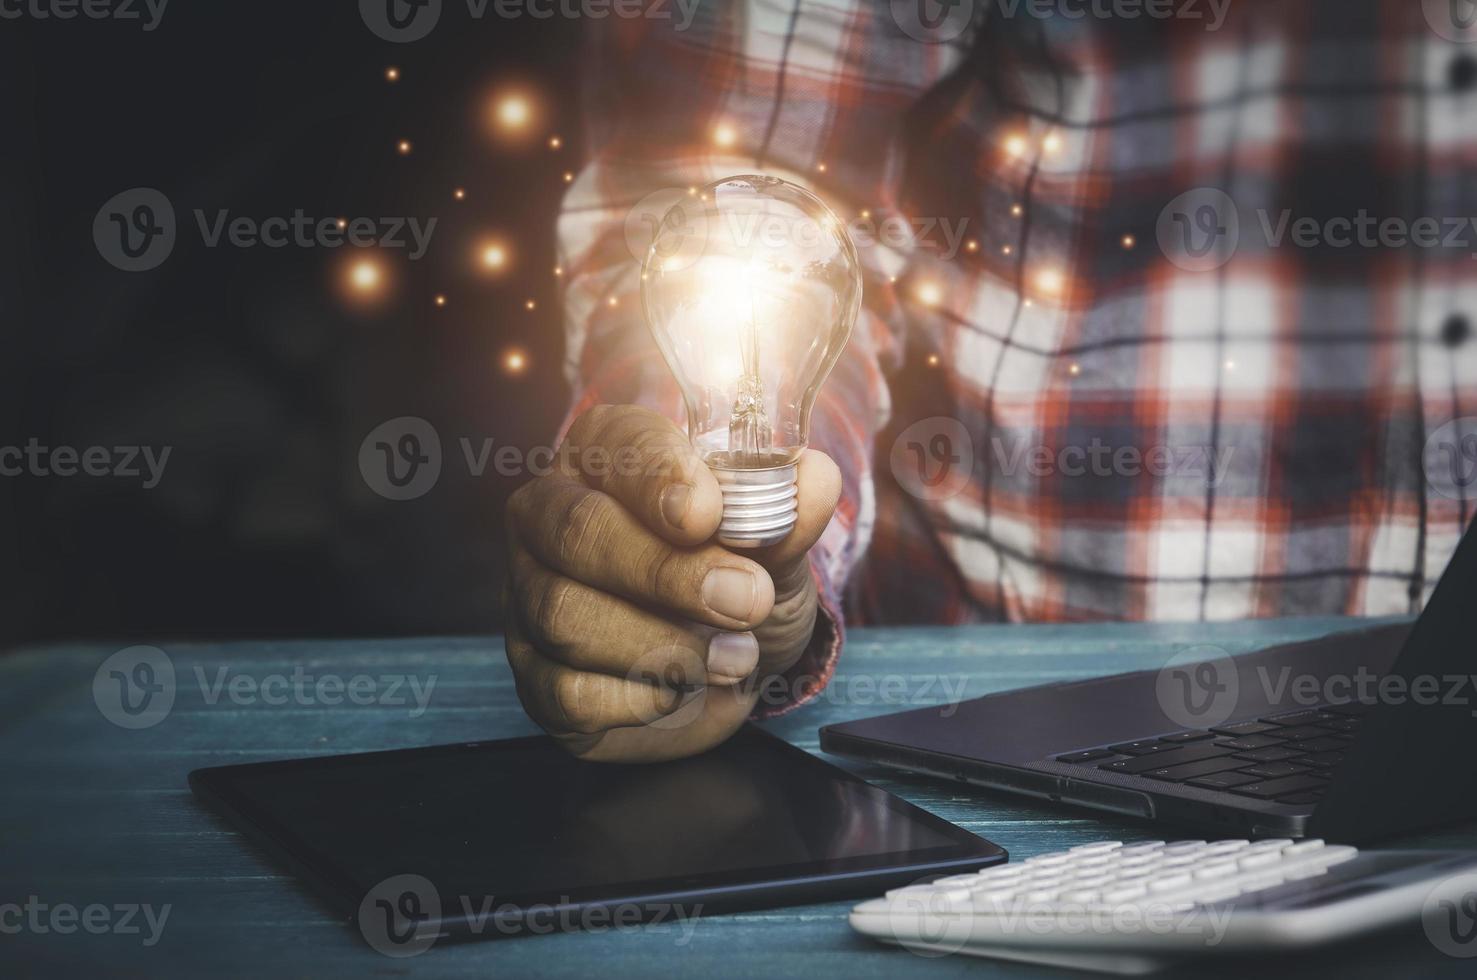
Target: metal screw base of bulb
758,505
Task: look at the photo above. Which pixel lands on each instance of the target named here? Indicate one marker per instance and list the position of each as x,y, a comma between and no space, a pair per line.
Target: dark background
248,362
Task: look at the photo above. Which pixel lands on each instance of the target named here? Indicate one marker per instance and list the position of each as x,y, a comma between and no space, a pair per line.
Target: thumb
818,490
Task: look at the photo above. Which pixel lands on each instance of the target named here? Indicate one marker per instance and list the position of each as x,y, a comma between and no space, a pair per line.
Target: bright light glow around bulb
494,256
1050,280
512,115
366,276
514,112
751,287
363,281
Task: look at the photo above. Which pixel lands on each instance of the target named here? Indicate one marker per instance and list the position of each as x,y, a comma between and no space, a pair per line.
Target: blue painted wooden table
96,819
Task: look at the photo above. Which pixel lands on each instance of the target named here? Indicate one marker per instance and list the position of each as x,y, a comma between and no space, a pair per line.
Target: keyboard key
1267,844
1322,760
1175,755
1223,847
1086,755
1302,847
1173,881
1299,732
1143,746
1272,754
1189,770
1273,788
1346,726
1096,847
1244,728
1125,892
1262,859
1223,780
1217,869
1275,770
1322,745
1287,718
1185,737
1245,743
1184,847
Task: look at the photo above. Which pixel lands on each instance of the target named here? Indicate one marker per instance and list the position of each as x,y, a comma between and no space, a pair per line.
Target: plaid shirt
1161,373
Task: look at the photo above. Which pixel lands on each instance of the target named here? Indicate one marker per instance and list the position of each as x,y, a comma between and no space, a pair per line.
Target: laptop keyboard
1285,757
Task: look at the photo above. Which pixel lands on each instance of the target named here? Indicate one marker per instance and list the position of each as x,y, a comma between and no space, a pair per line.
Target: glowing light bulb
751,290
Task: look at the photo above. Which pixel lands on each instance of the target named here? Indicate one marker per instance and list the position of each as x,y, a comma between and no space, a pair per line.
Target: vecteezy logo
401,21
931,925
679,218
933,459
134,688
1450,459
401,916
134,231
660,693
932,21
1452,20
401,459
1199,230
1449,916
1198,687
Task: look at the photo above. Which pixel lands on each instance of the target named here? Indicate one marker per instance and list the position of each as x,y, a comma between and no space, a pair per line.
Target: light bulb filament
748,427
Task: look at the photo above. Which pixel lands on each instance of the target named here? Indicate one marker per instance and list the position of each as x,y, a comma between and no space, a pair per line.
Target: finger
818,489
566,701
722,712
587,629
587,536
642,460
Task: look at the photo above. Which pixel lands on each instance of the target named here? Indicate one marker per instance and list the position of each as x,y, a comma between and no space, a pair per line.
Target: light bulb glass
751,287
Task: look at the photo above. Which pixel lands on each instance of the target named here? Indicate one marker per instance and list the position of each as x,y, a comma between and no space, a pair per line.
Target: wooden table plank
92,813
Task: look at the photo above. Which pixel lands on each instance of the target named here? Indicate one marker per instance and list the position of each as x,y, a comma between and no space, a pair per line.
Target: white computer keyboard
1134,907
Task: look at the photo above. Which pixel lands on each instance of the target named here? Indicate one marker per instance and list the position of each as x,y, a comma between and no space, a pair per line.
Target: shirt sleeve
816,93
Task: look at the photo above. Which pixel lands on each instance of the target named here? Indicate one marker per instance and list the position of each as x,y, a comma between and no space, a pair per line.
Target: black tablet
495,838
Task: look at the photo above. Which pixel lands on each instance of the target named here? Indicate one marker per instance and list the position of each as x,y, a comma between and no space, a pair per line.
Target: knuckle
550,611
662,570
570,700
581,525
587,424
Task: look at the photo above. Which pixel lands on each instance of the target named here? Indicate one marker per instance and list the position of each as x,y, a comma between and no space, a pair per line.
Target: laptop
1354,736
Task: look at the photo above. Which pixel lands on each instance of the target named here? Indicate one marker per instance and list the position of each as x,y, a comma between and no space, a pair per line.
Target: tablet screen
526,822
